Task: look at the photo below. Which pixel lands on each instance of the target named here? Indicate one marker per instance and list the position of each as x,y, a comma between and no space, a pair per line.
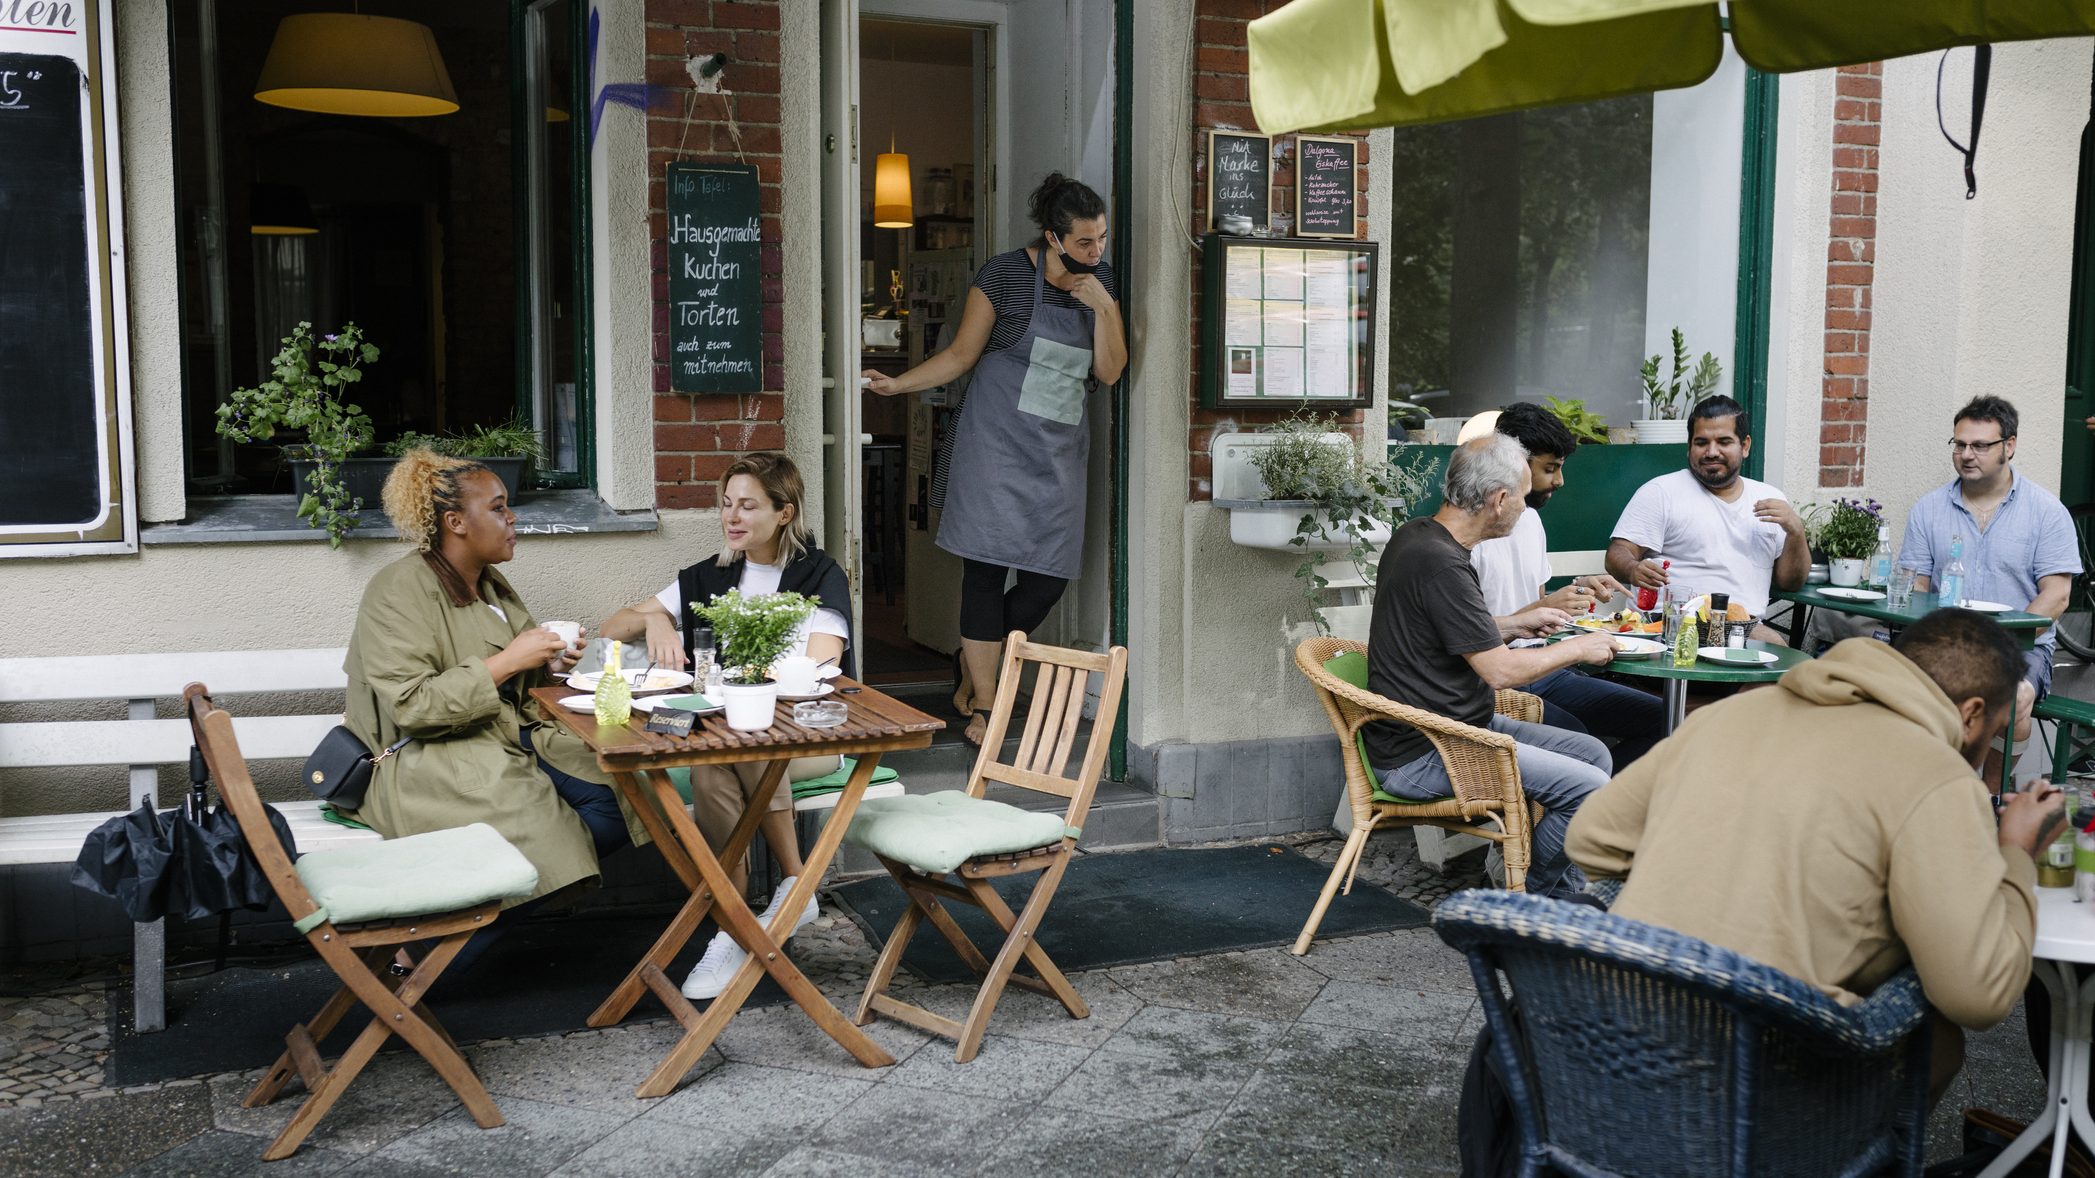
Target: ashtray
820,713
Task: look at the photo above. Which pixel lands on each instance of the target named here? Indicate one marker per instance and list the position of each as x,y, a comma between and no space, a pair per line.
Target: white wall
1692,274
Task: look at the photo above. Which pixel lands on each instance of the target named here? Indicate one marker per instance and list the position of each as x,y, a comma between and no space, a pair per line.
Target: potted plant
1848,536
1667,402
753,633
510,450
308,392
1586,426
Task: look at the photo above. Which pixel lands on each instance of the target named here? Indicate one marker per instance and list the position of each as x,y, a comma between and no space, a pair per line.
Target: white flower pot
751,707
1847,573
1271,523
1663,431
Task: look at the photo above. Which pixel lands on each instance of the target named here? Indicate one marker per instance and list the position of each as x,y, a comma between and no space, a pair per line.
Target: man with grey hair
1434,645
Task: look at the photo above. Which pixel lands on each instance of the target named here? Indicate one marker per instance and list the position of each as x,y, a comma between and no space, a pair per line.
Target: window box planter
1272,523
366,477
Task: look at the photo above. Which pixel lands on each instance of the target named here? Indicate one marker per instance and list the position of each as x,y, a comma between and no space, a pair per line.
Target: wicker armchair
1487,801
1635,1050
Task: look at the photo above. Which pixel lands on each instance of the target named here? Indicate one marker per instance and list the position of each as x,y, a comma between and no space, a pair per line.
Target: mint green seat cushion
829,782
940,831
1352,668
420,875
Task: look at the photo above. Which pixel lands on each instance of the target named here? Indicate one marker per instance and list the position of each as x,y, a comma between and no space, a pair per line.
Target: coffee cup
570,632
795,674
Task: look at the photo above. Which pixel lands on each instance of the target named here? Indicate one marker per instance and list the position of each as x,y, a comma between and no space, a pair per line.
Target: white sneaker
807,915
716,969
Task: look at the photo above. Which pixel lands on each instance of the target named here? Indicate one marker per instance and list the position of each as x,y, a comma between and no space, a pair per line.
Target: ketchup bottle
1648,597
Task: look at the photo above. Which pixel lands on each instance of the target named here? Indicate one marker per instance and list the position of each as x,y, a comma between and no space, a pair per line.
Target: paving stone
1366,1059
1228,1154
220,1154
1006,1068
648,1147
810,1162
1428,1016
1293,1106
785,1037
1074,1143
101,1136
1409,957
941,1131
1023,1014
393,1096
738,1103
536,1138
1191,1092
1166,1032
1264,983
596,1072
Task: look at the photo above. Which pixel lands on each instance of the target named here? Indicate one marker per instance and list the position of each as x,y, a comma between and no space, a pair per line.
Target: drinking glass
1899,593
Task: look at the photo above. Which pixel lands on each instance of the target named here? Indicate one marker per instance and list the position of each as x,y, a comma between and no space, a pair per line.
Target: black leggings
987,612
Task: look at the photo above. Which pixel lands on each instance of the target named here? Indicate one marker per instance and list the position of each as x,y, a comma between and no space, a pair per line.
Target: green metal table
1675,680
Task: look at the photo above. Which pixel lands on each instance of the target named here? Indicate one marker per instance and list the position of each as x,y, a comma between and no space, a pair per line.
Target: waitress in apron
1041,332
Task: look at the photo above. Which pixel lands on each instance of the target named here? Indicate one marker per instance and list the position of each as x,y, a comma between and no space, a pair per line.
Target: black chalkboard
51,469
1324,186
716,304
1240,178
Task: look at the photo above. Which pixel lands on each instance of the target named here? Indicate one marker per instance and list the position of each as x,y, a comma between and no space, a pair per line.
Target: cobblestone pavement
1347,1061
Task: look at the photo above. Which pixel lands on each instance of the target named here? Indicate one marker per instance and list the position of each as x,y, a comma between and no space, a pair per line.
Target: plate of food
1628,621
1736,656
641,679
1627,647
1846,594
1984,607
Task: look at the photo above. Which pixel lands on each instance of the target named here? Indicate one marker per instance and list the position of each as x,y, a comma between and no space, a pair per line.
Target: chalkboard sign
65,449
716,306
1324,186
1240,178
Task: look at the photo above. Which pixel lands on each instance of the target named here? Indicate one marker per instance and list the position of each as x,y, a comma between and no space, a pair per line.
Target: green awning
1348,65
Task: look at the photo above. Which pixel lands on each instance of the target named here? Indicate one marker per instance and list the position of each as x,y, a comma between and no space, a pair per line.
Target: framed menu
1287,321
1240,177
1324,185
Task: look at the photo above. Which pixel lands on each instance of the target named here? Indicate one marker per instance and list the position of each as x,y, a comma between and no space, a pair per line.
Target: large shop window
1546,253
457,242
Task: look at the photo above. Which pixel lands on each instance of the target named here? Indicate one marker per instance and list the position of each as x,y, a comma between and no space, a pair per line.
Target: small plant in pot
308,391
1668,401
1586,426
511,450
753,633
1848,537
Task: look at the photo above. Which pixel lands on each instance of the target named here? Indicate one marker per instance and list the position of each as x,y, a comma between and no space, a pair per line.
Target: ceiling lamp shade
280,210
892,207
342,63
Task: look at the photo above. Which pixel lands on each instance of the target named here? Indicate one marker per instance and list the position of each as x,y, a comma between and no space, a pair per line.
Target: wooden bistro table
636,759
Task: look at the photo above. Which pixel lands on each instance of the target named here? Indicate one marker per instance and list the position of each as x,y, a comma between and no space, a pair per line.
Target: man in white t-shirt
1720,531
1513,571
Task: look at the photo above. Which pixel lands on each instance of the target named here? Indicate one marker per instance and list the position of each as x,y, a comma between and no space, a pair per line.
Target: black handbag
339,771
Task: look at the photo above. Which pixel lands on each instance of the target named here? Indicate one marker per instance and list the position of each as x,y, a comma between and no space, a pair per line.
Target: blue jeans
1574,700
1557,769
594,804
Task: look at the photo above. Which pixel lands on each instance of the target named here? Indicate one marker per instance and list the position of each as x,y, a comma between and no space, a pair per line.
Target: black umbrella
189,862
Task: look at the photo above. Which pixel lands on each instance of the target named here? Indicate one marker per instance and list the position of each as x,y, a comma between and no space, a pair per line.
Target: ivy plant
310,380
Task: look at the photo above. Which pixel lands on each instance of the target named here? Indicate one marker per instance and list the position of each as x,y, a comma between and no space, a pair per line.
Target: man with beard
1721,532
1857,841
2019,544
1513,570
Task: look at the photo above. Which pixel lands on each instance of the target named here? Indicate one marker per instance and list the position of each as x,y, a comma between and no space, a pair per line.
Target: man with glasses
2019,544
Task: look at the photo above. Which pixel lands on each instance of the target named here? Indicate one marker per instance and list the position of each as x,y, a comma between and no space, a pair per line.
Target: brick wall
1222,101
1851,255
698,436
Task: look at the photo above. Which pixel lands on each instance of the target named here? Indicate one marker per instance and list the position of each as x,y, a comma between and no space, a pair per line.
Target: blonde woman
768,549
445,652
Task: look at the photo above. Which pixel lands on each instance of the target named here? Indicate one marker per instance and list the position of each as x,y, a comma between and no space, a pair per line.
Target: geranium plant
308,389
754,632
1850,530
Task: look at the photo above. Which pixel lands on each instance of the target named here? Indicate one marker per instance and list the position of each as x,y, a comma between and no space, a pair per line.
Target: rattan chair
1637,1051
1487,802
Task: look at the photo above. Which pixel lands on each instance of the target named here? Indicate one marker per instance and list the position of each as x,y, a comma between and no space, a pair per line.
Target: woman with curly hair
445,653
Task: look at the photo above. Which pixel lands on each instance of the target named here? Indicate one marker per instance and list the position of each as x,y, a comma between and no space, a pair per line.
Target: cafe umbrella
189,862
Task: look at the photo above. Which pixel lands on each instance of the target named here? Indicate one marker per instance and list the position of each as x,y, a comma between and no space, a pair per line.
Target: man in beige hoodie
1833,827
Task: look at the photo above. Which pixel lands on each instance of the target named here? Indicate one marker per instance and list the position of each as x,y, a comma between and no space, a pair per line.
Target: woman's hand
664,645
1091,292
877,383
536,647
569,655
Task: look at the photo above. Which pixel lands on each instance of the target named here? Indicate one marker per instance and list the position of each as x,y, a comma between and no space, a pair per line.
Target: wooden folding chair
924,839
358,930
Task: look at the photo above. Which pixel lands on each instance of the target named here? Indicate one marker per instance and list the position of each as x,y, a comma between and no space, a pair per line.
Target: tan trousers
720,793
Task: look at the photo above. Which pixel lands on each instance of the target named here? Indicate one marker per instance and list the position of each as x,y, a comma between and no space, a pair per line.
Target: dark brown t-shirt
1429,612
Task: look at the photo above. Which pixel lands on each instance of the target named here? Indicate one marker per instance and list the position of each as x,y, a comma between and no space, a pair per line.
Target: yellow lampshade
342,63
280,210
892,208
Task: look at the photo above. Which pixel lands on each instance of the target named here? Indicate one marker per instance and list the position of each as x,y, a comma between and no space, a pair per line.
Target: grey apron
1020,450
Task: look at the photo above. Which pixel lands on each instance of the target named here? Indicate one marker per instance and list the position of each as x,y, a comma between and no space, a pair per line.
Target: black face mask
1071,264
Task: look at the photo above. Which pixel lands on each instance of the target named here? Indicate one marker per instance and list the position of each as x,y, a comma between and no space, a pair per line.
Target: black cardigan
811,574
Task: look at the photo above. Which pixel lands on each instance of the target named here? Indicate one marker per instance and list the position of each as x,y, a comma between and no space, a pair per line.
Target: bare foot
963,691
977,727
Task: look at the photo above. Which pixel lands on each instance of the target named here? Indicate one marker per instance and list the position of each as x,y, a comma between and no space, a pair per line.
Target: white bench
143,743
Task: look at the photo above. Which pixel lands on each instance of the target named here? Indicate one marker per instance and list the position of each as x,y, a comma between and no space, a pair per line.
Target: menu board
65,430
1287,321
716,307
1324,186
1240,177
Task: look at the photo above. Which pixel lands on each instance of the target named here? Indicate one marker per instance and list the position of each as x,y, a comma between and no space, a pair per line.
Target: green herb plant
1850,530
308,389
512,439
754,632
1671,399
1584,424
1347,494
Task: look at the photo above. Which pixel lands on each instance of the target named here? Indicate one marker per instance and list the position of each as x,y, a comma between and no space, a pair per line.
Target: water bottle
1880,561
1951,591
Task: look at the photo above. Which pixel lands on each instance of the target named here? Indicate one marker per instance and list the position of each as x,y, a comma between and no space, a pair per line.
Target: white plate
650,702
659,679
1985,607
1851,594
1630,647
585,704
1735,656
818,693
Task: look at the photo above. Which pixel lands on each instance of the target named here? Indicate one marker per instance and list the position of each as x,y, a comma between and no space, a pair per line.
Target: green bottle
1684,641
614,697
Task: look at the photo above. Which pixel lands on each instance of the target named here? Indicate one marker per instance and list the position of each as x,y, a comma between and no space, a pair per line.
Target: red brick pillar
1851,256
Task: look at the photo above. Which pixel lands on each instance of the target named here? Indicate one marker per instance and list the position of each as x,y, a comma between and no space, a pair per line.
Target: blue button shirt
2031,537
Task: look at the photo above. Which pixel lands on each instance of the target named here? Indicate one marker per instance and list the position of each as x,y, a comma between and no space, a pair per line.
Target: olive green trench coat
417,667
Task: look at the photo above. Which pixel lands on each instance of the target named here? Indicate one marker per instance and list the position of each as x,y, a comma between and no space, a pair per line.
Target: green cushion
827,783
1351,668
419,875
940,831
